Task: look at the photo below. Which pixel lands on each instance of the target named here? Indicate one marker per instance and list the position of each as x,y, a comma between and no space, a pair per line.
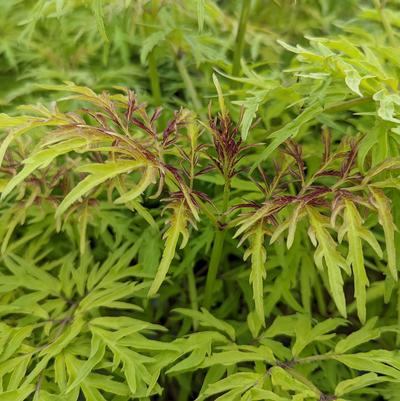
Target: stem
153,72
398,313
216,252
194,303
319,296
190,88
385,22
239,44
154,79
347,104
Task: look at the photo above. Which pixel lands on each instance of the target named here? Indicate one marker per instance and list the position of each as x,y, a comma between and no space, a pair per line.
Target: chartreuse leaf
60,372
96,355
220,94
150,43
258,257
251,106
198,345
382,205
18,373
98,12
200,14
352,79
17,395
98,173
42,159
233,357
241,382
355,232
365,334
177,227
359,382
24,124
191,362
282,378
7,121
306,335
259,394
327,250
382,361
206,319
147,178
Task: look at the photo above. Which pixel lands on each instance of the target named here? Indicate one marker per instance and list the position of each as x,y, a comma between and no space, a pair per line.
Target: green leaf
98,174
178,226
306,335
281,378
234,357
42,159
200,14
326,249
17,395
242,381
353,79
147,178
382,205
150,43
359,382
365,334
220,95
206,319
352,227
382,362
97,351
258,256
97,6
194,360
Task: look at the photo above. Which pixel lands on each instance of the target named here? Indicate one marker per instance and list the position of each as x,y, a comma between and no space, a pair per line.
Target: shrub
244,251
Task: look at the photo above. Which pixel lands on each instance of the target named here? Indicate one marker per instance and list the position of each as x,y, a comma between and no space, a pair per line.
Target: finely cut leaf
98,174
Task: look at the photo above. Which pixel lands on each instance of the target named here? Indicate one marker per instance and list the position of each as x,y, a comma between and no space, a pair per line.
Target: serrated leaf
17,395
365,334
96,355
327,250
177,227
147,178
42,159
150,43
359,382
200,14
97,6
98,174
206,319
355,232
258,257
240,380
382,205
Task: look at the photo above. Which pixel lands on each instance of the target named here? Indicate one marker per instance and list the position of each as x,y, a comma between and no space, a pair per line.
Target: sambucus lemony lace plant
113,153
234,253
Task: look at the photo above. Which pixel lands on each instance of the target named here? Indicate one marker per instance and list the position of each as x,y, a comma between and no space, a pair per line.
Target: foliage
237,243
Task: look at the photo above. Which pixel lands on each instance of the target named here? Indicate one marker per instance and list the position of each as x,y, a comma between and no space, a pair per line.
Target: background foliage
199,200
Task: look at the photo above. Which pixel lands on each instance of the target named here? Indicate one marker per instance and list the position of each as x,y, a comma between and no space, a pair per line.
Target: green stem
347,104
385,22
194,303
239,44
154,79
398,313
319,296
190,88
216,253
153,71
204,208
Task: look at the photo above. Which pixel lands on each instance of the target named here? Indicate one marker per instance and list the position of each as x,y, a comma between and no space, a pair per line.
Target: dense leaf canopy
199,200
